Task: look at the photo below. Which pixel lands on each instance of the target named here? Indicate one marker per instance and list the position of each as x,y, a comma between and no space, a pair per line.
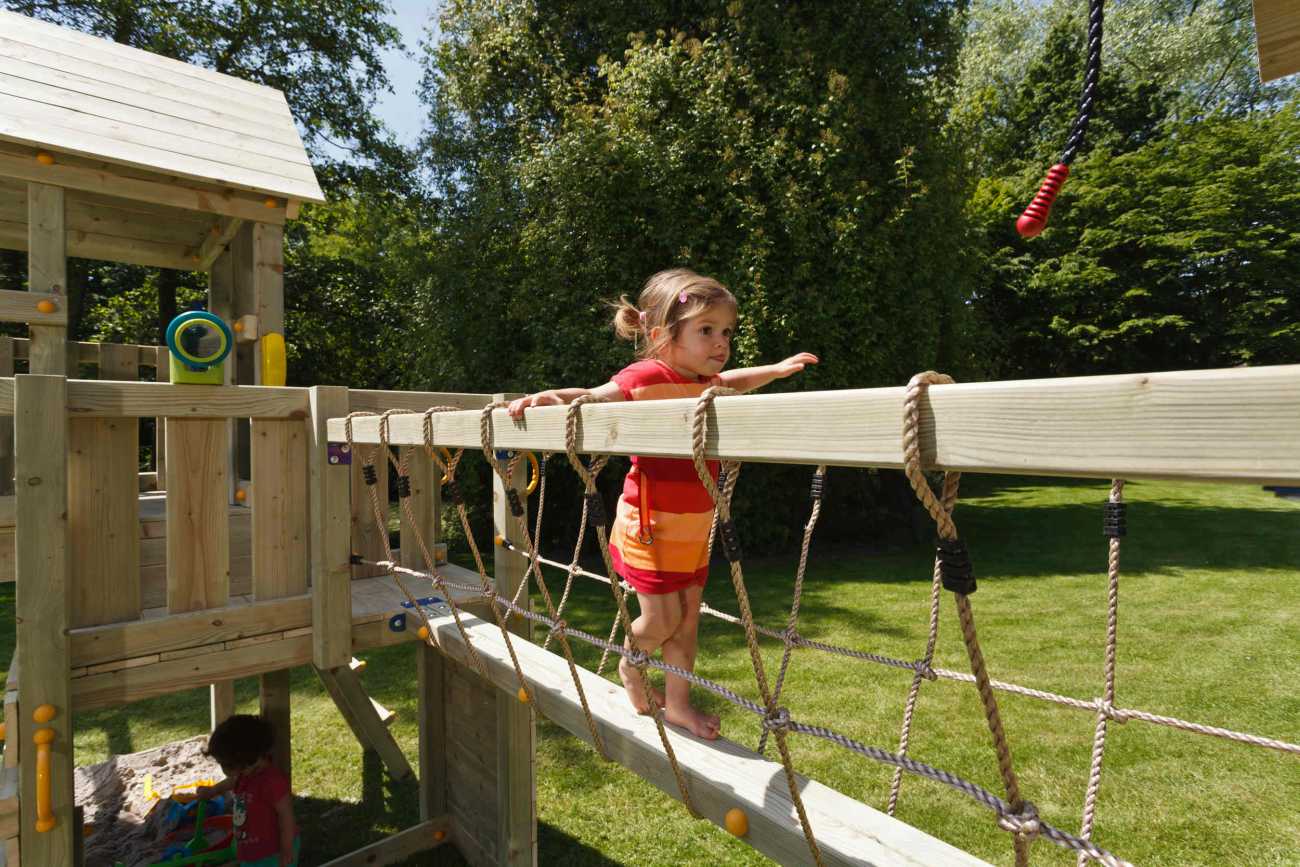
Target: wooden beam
363,717
425,503
516,787
398,847
330,532
16,306
42,608
721,774
99,177
1277,32
1233,425
82,244
97,644
368,400
88,398
221,702
216,243
47,272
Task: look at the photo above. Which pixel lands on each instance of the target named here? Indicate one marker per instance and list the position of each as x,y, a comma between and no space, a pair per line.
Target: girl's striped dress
659,541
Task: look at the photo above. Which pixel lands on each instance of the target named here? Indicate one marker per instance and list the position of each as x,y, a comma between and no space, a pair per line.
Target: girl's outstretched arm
750,378
609,392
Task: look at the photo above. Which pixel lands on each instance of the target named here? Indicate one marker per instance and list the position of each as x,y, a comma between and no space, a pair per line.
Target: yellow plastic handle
537,475
44,799
273,359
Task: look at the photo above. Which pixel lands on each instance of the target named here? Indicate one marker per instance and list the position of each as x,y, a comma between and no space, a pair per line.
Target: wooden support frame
94,399
516,782
330,531
19,306
47,272
1277,34
364,719
429,834
43,606
1231,425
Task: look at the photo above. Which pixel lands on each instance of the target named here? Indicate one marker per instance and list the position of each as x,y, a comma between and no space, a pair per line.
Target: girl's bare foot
633,683
698,723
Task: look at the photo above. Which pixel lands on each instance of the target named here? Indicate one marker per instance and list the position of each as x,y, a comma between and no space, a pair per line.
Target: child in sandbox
266,834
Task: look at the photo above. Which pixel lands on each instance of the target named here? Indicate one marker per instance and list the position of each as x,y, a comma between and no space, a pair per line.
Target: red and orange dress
660,538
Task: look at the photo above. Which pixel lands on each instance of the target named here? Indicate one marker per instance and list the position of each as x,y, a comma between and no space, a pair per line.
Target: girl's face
703,343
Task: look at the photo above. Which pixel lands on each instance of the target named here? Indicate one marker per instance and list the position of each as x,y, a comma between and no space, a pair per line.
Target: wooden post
162,373
42,609
426,506
103,511
279,500
331,576
47,271
516,785
198,515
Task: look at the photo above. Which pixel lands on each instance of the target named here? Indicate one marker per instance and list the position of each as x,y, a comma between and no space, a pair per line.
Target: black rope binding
369,474
403,487
818,487
516,505
595,509
1115,523
955,567
730,541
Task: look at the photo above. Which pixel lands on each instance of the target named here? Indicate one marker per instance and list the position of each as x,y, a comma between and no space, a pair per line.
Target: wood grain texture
42,607
330,535
198,529
47,272
94,399
279,501
1277,34
103,523
55,95
1233,425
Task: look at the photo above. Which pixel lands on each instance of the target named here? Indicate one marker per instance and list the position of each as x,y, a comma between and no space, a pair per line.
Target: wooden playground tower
232,557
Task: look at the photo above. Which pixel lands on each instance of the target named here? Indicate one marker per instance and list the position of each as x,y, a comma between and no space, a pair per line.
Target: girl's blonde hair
667,300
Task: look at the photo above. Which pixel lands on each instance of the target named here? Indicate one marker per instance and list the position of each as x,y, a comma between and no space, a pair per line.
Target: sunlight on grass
1209,626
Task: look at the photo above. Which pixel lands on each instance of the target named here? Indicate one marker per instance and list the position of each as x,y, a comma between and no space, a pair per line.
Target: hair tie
640,315
682,296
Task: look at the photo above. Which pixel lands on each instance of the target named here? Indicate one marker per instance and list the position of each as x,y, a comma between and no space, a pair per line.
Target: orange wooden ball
737,822
2,731
45,305
238,326
45,159
523,695
44,713
43,736
271,202
439,835
423,632
241,494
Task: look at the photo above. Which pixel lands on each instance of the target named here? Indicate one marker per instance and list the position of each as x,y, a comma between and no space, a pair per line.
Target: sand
125,828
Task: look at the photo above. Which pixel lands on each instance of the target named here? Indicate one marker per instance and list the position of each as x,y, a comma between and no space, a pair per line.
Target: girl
265,832
659,540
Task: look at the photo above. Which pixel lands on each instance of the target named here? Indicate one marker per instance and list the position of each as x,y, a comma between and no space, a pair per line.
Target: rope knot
1024,824
1109,711
923,668
639,659
558,629
490,595
791,636
777,720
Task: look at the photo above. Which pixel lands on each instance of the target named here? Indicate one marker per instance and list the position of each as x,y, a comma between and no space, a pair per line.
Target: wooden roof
68,92
1277,30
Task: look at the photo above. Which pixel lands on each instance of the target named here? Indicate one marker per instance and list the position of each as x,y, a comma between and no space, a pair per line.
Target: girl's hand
794,364
541,398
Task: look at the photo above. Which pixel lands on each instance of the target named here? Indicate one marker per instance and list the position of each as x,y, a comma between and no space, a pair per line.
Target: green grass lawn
1209,631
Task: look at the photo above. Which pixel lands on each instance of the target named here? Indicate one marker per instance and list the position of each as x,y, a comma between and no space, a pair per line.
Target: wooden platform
161,654
721,774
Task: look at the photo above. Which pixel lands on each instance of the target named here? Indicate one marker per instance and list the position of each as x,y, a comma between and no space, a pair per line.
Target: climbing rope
952,571
776,719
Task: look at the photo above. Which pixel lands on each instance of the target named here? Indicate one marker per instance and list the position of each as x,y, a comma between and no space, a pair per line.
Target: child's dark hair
240,741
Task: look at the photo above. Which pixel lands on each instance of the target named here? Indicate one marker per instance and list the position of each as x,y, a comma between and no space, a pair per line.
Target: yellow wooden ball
737,822
523,695
44,714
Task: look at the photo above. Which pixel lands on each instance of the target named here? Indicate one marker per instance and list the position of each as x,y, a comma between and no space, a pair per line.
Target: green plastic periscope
194,848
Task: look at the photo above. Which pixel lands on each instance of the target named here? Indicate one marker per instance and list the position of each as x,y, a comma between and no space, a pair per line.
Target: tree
793,152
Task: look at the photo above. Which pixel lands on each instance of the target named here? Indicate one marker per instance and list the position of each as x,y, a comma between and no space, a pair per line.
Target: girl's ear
655,334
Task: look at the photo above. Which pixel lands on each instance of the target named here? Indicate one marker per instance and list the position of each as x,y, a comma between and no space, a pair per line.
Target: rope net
952,571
